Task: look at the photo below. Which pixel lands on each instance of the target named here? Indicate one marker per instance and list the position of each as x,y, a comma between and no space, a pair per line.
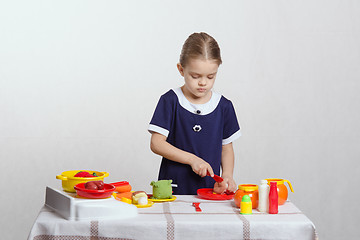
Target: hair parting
200,46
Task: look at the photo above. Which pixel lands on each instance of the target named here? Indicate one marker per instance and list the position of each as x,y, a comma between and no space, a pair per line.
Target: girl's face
199,76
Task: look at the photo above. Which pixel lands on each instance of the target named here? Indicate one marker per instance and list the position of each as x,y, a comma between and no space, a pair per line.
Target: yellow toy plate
162,200
150,203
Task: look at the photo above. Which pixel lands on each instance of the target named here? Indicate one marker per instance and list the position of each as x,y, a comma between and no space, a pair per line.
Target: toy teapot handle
288,182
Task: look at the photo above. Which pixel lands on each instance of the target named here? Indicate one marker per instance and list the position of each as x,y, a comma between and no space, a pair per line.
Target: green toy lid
246,198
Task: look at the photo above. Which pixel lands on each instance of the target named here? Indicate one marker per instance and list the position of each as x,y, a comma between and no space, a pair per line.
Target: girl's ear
181,69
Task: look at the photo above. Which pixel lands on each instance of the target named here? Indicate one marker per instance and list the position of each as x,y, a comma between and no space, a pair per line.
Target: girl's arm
160,146
227,165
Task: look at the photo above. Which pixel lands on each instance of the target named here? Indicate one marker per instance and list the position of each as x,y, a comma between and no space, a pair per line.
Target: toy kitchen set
84,195
87,207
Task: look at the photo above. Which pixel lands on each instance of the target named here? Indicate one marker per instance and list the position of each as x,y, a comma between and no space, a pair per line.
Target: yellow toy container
69,181
246,205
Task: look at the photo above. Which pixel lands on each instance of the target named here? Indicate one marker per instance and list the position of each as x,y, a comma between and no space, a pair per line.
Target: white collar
199,109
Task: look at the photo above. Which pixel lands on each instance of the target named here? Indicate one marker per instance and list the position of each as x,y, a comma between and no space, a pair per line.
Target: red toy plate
208,193
88,193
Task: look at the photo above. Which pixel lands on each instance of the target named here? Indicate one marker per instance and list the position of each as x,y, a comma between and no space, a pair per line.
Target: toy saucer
150,196
150,203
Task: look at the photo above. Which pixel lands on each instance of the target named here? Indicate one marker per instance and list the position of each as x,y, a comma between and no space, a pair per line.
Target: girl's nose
202,82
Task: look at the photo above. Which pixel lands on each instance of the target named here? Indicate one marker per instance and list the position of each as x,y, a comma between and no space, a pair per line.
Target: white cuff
231,138
153,128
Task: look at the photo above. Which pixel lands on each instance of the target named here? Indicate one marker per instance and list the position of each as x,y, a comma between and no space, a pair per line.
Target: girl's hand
200,167
227,185
232,187
221,187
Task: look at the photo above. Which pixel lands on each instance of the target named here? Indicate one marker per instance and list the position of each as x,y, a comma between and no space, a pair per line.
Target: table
179,220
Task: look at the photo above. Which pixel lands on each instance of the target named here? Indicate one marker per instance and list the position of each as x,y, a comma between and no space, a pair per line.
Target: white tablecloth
179,220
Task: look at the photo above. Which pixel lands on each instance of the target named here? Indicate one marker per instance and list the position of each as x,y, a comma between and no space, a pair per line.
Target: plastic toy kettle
282,189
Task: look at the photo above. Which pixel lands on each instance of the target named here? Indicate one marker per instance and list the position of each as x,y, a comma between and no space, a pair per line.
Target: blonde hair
200,45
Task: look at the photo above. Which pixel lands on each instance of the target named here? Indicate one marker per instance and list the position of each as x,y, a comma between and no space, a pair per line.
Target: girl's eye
195,76
211,77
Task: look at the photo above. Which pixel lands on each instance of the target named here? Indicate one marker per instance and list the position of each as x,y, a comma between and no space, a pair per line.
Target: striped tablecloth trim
170,222
94,235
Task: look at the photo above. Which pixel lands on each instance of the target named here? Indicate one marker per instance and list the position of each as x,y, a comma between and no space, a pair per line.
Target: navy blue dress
200,129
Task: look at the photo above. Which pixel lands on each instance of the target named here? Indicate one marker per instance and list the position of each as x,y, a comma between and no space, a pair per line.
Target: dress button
198,111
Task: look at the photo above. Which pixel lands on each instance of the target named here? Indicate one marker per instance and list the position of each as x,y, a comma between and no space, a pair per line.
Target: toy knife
216,177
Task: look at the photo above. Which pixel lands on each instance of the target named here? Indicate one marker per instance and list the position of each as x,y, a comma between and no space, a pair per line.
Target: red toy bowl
89,193
208,193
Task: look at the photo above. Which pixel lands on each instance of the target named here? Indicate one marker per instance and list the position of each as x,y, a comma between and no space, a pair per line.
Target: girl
193,127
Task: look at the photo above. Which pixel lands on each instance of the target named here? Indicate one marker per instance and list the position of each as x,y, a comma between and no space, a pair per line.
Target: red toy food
94,185
85,174
100,185
90,185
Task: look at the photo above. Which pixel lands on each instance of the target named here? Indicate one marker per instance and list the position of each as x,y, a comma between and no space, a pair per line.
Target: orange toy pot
247,189
282,189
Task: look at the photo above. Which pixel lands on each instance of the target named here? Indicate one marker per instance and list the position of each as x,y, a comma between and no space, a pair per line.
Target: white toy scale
72,208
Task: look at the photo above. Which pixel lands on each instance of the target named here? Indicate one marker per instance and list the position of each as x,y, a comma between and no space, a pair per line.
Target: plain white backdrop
79,81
